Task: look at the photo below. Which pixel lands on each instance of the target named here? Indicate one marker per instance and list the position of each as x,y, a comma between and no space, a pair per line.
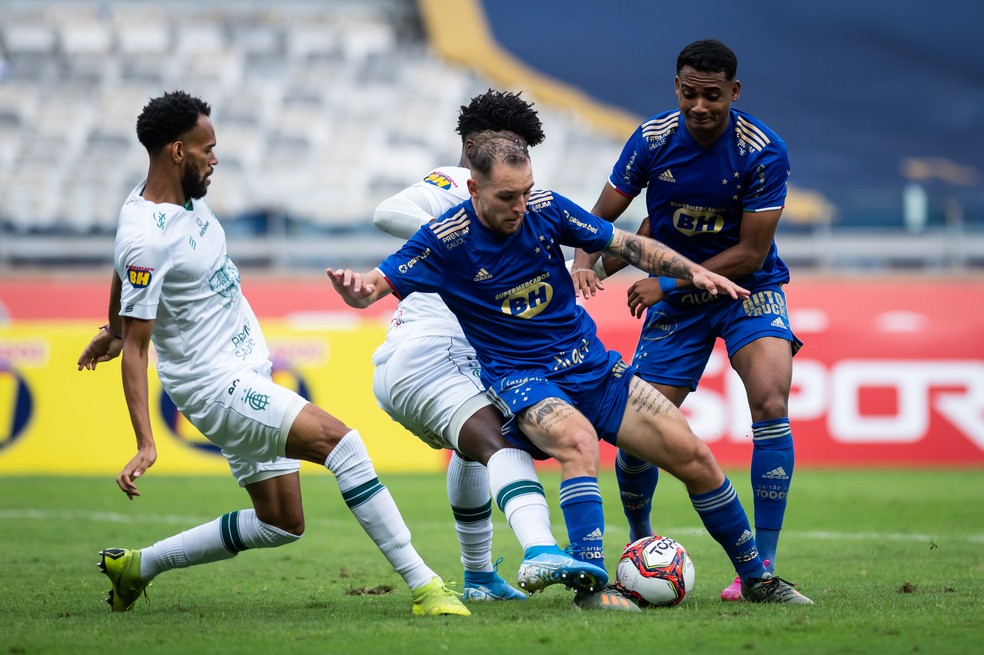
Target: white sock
519,495
373,507
468,493
223,538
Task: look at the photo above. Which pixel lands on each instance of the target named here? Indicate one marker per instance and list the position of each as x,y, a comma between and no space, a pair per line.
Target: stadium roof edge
459,32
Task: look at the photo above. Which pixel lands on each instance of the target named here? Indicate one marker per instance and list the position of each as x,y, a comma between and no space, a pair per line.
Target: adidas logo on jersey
667,176
482,275
778,323
778,473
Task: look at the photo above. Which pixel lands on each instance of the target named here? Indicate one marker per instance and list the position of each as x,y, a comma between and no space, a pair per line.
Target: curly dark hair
166,118
498,110
709,56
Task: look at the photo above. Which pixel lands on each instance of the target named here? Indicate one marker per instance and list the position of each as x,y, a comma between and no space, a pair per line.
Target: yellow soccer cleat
435,599
122,567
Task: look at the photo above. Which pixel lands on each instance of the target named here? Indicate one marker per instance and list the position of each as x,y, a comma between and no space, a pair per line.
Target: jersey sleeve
417,266
767,178
141,262
628,176
581,228
402,214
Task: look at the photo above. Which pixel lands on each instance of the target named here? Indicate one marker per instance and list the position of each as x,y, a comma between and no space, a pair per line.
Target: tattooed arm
658,259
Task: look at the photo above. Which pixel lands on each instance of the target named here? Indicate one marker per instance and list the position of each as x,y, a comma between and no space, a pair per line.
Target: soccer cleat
557,567
435,599
732,593
487,586
772,589
498,589
122,567
610,598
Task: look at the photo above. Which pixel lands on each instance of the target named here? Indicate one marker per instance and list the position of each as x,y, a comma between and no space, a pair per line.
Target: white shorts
430,386
250,420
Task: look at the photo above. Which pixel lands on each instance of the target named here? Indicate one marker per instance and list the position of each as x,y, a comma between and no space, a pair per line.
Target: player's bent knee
270,536
314,434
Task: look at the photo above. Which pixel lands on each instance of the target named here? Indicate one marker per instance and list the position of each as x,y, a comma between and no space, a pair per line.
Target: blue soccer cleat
554,566
487,586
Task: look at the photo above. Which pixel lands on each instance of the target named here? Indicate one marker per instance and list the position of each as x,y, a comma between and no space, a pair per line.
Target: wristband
667,284
115,335
599,269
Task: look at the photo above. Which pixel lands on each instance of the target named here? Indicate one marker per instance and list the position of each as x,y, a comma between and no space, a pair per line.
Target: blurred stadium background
325,107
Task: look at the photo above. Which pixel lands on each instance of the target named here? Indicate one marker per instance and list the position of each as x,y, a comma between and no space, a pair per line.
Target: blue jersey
696,196
513,295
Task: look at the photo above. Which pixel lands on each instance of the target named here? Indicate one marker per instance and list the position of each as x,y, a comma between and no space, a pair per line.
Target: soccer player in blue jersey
496,261
426,378
715,180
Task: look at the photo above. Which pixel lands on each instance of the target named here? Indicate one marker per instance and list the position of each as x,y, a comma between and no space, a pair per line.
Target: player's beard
193,185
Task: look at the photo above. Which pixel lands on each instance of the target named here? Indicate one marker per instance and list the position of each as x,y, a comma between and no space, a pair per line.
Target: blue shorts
677,339
599,391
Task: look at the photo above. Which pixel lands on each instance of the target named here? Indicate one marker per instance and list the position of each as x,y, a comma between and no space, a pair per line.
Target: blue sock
479,577
580,502
725,520
636,484
772,472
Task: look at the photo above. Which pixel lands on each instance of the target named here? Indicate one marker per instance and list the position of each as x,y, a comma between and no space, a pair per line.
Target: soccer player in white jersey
175,286
427,379
496,260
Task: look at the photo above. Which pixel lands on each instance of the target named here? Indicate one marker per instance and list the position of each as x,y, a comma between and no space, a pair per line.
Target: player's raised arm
658,259
402,214
359,290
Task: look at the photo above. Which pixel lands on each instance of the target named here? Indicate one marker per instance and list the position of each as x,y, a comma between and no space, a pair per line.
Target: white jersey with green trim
425,314
175,270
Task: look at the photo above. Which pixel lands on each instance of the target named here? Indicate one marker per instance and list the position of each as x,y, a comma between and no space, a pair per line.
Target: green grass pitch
893,559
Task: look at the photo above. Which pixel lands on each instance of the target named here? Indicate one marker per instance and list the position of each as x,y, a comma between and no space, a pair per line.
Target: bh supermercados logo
16,404
439,180
139,276
182,429
528,299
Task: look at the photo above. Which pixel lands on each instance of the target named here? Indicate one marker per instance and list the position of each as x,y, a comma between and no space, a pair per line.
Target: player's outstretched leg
373,506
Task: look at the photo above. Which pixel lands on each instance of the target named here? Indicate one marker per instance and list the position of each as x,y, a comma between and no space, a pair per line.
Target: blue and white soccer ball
656,571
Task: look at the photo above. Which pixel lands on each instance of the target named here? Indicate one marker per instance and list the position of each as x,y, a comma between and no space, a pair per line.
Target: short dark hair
709,56
493,148
166,118
498,110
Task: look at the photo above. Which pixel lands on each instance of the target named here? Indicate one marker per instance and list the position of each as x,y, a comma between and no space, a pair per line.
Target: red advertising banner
891,373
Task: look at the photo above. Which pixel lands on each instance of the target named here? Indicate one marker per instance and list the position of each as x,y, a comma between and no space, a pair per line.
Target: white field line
190,521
